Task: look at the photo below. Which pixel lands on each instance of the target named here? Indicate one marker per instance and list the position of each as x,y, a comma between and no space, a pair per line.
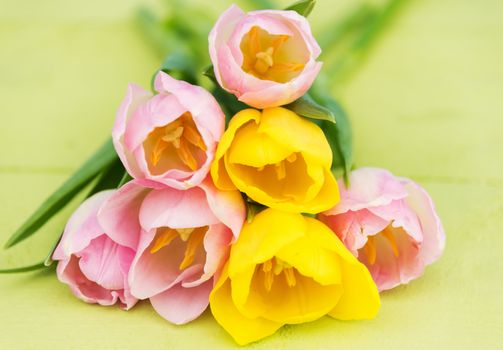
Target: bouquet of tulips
229,198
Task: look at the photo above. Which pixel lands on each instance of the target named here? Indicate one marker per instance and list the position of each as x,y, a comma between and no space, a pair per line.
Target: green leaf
125,178
339,134
302,7
210,73
262,4
112,177
103,158
38,266
109,178
307,107
178,62
229,103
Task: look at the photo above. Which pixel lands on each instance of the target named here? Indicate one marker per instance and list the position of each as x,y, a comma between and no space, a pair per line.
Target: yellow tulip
286,268
278,159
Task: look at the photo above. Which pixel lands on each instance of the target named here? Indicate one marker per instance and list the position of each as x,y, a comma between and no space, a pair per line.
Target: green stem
38,266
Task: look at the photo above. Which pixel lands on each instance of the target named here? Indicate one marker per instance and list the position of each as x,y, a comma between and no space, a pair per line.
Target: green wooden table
427,104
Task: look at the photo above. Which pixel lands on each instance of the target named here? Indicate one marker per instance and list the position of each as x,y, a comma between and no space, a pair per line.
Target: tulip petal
220,33
206,112
118,216
82,227
400,214
175,209
283,126
256,149
102,260
353,227
69,272
135,97
312,260
153,273
305,302
271,230
180,305
218,172
433,243
360,297
227,206
244,330
370,187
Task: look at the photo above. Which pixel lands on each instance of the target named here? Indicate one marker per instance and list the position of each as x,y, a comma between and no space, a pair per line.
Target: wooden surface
427,104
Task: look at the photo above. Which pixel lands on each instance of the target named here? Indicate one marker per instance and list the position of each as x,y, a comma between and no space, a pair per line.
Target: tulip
184,241
278,159
389,223
288,269
266,58
168,139
94,257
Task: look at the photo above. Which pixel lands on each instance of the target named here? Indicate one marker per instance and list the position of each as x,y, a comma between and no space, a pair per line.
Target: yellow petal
244,330
306,301
284,126
261,239
218,171
256,149
313,260
360,298
327,197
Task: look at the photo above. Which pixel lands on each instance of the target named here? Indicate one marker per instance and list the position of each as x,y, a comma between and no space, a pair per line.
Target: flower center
280,168
264,56
193,238
370,248
275,267
180,136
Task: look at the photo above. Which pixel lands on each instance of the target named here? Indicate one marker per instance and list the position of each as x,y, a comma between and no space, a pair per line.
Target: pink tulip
96,250
389,223
168,139
266,58
185,238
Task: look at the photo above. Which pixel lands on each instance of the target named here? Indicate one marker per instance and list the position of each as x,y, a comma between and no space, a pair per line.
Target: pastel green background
427,104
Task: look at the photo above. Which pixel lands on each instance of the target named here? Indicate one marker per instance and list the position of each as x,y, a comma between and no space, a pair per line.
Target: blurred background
425,101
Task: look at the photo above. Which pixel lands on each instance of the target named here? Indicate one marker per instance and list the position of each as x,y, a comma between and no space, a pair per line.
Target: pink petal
353,227
82,227
281,94
69,272
158,111
119,214
369,187
228,206
176,209
180,305
134,98
219,35
302,24
205,110
433,232
389,271
104,262
400,214
153,273
217,243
